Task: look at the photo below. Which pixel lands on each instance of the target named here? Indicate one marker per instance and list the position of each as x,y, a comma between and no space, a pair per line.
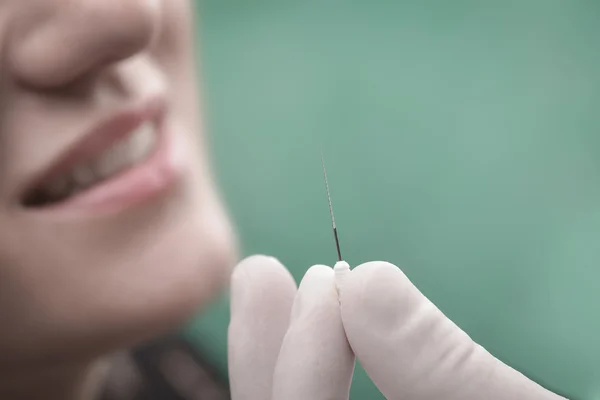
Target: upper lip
100,138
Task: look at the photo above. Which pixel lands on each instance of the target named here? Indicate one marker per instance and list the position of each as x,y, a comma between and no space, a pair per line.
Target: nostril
81,39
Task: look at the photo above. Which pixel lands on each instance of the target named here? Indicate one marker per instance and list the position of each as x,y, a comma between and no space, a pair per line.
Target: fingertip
375,267
265,270
259,274
378,291
372,275
316,274
258,261
316,289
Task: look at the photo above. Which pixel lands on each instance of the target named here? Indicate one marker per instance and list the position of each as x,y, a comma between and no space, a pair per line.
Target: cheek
174,51
175,40
169,281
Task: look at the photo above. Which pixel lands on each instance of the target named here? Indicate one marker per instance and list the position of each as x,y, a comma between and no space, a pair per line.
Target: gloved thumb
412,351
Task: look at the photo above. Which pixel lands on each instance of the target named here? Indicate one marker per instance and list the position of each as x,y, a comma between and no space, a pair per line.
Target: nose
54,42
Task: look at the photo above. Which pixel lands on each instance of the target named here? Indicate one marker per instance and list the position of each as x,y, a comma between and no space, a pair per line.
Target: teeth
143,142
122,155
83,175
58,186
114,159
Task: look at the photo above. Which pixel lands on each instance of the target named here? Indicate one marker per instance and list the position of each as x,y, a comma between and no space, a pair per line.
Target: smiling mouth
122,155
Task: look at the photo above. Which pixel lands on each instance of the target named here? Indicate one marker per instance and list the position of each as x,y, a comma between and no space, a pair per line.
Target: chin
177,275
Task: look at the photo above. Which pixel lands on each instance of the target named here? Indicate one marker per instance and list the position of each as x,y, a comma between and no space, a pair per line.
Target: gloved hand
408,347
286,343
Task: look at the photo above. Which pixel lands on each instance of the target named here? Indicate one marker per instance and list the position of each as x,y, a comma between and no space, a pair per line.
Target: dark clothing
166,369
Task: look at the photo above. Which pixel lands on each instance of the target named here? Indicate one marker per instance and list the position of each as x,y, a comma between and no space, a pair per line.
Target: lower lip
134,186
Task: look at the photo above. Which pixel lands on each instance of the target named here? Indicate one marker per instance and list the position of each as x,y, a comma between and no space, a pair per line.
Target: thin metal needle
335,234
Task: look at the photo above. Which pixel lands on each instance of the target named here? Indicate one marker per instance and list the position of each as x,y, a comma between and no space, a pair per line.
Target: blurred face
110,227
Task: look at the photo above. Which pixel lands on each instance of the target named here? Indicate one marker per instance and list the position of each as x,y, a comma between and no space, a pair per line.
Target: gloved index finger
316,361
412,351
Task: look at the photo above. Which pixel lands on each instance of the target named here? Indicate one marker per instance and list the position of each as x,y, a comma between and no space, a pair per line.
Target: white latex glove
407,346
286,344
412,351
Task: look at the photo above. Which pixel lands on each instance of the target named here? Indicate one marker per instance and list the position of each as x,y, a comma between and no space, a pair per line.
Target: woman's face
110,227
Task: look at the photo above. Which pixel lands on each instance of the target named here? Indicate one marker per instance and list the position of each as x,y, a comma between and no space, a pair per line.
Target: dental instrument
341,268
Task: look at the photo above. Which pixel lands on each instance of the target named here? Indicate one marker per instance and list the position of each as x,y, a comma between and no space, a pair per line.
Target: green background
462,143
